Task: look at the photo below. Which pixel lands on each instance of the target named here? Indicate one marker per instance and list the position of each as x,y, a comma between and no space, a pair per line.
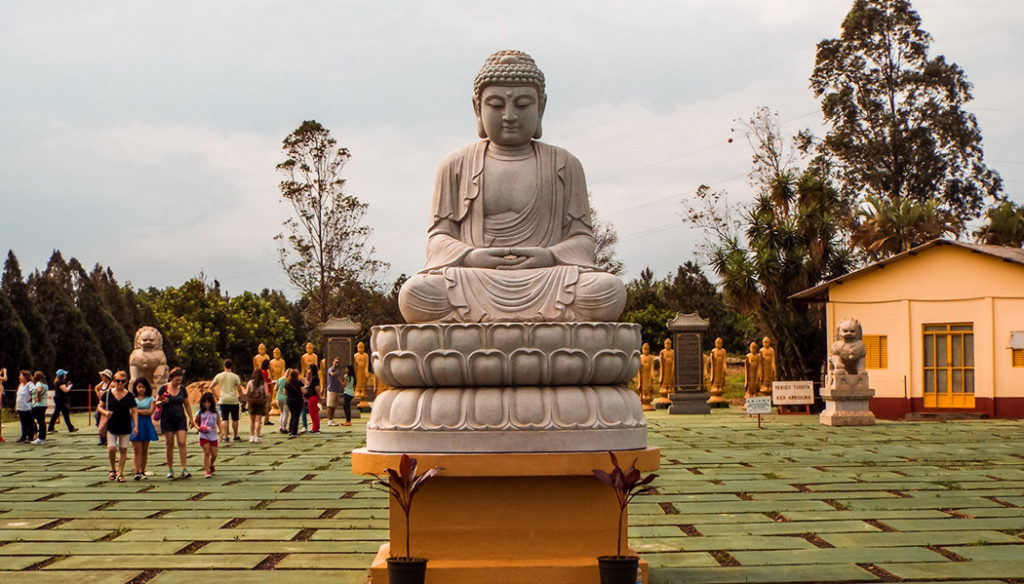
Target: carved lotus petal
529,406
571,405
528,367
568,365
549,338
486,368
465,339
446,408
612,405
488,409
404,368
627,336
380,415
385,339
405,408
421,338
609,367
592,337
446,368
508,337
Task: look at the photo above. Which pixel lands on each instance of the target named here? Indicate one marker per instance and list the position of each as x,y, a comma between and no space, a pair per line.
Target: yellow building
943,325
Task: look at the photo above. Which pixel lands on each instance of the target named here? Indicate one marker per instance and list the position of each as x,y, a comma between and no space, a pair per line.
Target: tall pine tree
40,346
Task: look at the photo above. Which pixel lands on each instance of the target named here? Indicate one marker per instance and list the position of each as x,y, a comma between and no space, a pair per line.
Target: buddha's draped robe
556,218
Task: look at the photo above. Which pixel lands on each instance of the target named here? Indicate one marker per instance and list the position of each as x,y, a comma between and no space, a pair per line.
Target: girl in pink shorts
206,421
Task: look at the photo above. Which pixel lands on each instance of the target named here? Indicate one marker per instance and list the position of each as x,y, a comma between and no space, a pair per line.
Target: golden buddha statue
752,372
768,372
260,357
645,377
277,365
309,358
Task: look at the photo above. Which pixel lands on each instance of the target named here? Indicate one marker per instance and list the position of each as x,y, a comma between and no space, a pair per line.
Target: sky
143,135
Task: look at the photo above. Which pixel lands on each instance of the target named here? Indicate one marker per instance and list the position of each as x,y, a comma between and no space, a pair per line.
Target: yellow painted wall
942,284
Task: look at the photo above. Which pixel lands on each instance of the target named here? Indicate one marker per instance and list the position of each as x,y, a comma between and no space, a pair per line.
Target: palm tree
1005,225
886,228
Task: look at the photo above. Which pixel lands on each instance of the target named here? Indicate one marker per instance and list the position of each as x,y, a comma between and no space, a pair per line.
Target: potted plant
402,484
620,569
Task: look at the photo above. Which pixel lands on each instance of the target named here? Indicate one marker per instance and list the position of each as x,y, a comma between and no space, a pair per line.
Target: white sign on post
759,405
787,393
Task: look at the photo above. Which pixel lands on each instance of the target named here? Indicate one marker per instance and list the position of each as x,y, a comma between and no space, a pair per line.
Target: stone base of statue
717,399
689,401
846,401
663,402
366,403
518,415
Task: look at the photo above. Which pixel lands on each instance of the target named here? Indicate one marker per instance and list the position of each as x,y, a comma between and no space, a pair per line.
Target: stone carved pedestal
846,400
518,414
687,338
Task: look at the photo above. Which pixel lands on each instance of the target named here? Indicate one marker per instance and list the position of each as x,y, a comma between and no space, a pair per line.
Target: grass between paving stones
792,502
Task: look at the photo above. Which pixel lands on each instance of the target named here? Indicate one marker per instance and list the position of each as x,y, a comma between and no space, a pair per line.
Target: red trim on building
896,408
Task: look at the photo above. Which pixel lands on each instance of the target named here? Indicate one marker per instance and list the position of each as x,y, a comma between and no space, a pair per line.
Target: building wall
943,284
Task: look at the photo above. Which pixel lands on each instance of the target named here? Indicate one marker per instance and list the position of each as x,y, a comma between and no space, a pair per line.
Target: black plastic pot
408,570
618,569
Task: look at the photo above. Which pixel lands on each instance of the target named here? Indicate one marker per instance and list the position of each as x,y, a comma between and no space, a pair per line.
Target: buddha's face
753,347
766,342
718,343
509,115
277,353
361,348
668,343
645,349
309,347
262,349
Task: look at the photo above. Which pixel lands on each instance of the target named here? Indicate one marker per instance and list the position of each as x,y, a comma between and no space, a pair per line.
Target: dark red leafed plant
626,484
403,484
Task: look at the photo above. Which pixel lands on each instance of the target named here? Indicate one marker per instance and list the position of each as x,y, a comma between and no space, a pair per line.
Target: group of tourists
138,414
32,400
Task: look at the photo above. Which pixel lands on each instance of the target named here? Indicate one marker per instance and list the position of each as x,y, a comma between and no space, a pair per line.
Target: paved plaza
791,502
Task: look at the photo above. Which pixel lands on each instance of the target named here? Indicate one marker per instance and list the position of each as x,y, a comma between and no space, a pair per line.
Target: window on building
949,365
1017,347
878,351
1018,357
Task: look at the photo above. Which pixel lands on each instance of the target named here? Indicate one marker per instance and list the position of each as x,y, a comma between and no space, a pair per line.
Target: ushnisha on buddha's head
509,98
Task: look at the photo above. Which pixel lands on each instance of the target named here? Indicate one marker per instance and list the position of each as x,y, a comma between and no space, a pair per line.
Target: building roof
819,293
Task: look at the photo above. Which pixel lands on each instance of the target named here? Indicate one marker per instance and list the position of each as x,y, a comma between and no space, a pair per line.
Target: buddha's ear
536,135
480,128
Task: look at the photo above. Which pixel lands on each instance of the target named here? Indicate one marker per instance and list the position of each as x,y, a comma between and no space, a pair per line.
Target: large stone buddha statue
510,236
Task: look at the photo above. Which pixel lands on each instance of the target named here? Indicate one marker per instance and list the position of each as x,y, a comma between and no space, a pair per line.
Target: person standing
293,391
256,396
175,419
230,386
106,377
39,403
207,421
313,396
348,393
282,400
61,395
333,388
23,403
122,423
145,404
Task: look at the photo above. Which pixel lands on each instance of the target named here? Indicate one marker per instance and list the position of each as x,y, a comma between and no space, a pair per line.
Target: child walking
207,421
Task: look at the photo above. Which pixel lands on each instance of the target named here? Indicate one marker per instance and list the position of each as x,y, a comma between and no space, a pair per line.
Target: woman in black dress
175,420
122,422
293,393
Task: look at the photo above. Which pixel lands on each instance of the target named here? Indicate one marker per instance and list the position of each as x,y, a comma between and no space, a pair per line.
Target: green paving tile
112,548
988,569
700,544
78,577
151,561
990,553
916,538
956,524
52,534
787,574
137,523
326,561
680,560
881,514
289,547
209,535
15,562
788,528
264,577
21,523
350,534
837,556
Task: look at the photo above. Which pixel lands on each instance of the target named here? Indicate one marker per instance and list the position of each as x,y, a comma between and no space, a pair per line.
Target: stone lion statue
148,359
848,351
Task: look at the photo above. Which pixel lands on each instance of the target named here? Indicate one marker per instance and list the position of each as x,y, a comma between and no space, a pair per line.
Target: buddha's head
645,349
360,347
668,343
509,98
718,343
766,343
277,353
309,348
262,349
753,347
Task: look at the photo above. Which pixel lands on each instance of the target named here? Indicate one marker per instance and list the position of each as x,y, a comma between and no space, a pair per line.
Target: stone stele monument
846,392
512,374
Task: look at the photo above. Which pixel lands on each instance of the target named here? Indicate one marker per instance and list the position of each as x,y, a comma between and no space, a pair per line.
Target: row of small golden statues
360,364
759,373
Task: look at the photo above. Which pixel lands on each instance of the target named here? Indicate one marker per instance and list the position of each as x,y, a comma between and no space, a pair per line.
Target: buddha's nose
510,116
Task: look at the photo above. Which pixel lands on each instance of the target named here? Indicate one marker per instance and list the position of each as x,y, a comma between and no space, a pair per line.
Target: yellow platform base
508,517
